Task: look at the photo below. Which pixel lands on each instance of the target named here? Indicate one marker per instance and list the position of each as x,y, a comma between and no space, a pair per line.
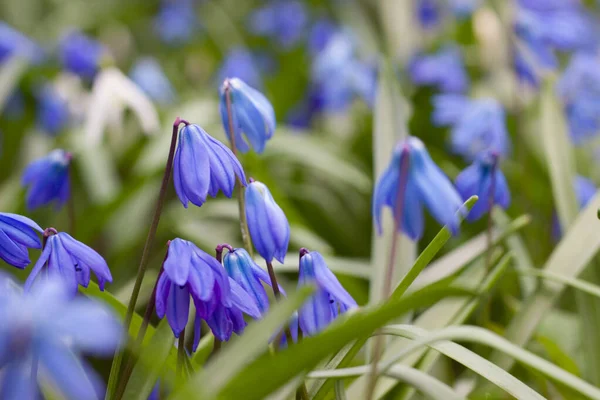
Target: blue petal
17,383
237,320
240,143
385,192
242,300
412,214
221,278
201,279
163,287
177,180
197,332
10,218
327,280
38,267
61,264
449,108
87,256
178,307
258,223
194,165
220,324
239,267
13,253
315,314
178,261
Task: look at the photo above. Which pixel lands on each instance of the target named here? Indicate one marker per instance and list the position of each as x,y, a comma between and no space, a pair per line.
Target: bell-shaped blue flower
484,179
282,20
268,225
444,69
330,298
176,22
149,76
412,180
53,112
202,166
48,180
478,125
14,43
81,55
251,113
242,64
17,234
48,327
70,260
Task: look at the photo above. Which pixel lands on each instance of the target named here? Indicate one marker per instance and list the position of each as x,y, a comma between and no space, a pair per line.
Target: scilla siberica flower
444,69
70,260
413,175
149,76
330,298
53,112
242,64
176,21
477,124
282,20
13,42
485,179
81,55
42,334
251,113
202,166
48,180
268,225
17,234
188,271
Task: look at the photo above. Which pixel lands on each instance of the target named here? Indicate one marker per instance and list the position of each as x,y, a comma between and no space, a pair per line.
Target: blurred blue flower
585,190
478,179
443,69
579,91
428,13
203,166
70,260
81,54
176,21
149,76
45,330
330,298
412,180
477,124
302,114
240,63
267,223
525,68
17,234
48,180
53,114
13,42
281,20
251,112
321,31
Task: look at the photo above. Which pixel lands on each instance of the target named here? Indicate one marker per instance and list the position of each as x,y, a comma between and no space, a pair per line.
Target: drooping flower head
219,300
53,112
412,180
242,64
202,166
14,43
251,113
444,69
330,298
281,20
48,180
47,326
484,179
176,22
477,124
268,225
81,55
149,76
17,234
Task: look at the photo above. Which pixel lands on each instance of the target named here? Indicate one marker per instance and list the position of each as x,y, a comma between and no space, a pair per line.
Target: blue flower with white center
281,20
149,76
484,179
176,22
267,223
48,180
444,69
240,63
251,113
14,43
330,299
410,181
17,234
53,112
202,166
42,334
81,55
70,260
477,124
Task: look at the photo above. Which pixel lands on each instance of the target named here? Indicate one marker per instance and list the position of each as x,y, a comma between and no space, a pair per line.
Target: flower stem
240,189
116,365
216,347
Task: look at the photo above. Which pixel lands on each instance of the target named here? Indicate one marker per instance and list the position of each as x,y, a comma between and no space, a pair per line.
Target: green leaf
578,284
10,73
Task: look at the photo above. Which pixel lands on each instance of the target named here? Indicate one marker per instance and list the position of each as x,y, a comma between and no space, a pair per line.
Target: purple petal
242,300
201,279
328,281
162,293
86,255
38,266
178,307
178,261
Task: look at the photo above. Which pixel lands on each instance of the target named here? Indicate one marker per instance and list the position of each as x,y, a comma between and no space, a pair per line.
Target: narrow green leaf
578,284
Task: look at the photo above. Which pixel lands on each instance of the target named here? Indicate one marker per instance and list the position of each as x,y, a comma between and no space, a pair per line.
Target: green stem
118,358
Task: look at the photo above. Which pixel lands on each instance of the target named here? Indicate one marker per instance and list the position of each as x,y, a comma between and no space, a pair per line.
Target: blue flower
444,69
251,112
48,180
81,55
478,179
49,328
203,166
70,260
525,68
330,298
477,124
13,42
428,13
188,271
240,63
17,234
302,114
269,228
412,180
320,34
149,76
585,190
53,112
176,21
282,20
